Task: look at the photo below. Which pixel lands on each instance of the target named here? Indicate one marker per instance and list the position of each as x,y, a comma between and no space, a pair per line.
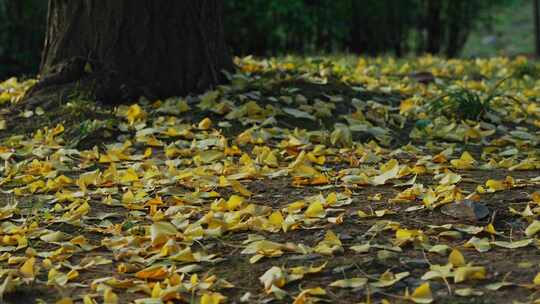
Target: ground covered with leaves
341,180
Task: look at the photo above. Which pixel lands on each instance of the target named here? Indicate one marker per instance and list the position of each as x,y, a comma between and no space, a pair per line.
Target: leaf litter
297,182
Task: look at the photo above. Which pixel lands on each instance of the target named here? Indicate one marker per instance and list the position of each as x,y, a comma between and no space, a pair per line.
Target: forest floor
343,180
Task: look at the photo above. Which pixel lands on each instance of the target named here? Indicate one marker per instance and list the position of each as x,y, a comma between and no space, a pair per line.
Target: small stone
466,210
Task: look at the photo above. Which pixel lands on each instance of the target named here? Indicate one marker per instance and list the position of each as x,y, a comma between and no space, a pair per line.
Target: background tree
117,50
536,12
277,27
21,35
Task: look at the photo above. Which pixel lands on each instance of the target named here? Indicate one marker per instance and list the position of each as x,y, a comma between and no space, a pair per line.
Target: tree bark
435,31
122,49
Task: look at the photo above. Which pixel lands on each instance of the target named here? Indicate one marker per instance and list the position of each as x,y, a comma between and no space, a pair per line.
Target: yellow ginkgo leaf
329,245
389,170
306,296
388,278
129,176
109,297
464,273
234,202
238,187
495,185
422,294
276,219
65,300
161,231
406,105
456,258
212,298
155,272
27,269
135,113
465,162
315,210
87,299
205,124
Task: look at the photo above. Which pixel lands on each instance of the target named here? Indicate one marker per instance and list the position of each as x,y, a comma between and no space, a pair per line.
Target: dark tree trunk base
117,51
71,80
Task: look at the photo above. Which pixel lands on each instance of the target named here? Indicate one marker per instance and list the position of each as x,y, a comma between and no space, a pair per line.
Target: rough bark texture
122,49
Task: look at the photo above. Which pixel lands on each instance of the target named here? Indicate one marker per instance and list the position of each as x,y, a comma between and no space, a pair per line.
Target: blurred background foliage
399,27
277,27
22,32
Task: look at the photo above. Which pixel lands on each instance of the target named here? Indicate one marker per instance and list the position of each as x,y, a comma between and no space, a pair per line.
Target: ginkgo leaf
155,272
464,273
514,244
161,231
273,276
315,210
391,171
364,248
440,249
406,105
533,228
212,298
65,300
450,178
480,244
329,245
28,268
234,202
341,136
422,294
54,237
388,279
499,285
134,113
438,271
456,258
466,161
298,114
109,297
205,124
468,292
350,283
308,295
303,270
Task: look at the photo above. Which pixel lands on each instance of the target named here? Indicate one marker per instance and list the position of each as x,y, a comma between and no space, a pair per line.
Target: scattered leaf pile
302,180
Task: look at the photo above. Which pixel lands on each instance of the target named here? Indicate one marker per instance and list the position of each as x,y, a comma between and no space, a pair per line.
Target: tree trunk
122,49
435,32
